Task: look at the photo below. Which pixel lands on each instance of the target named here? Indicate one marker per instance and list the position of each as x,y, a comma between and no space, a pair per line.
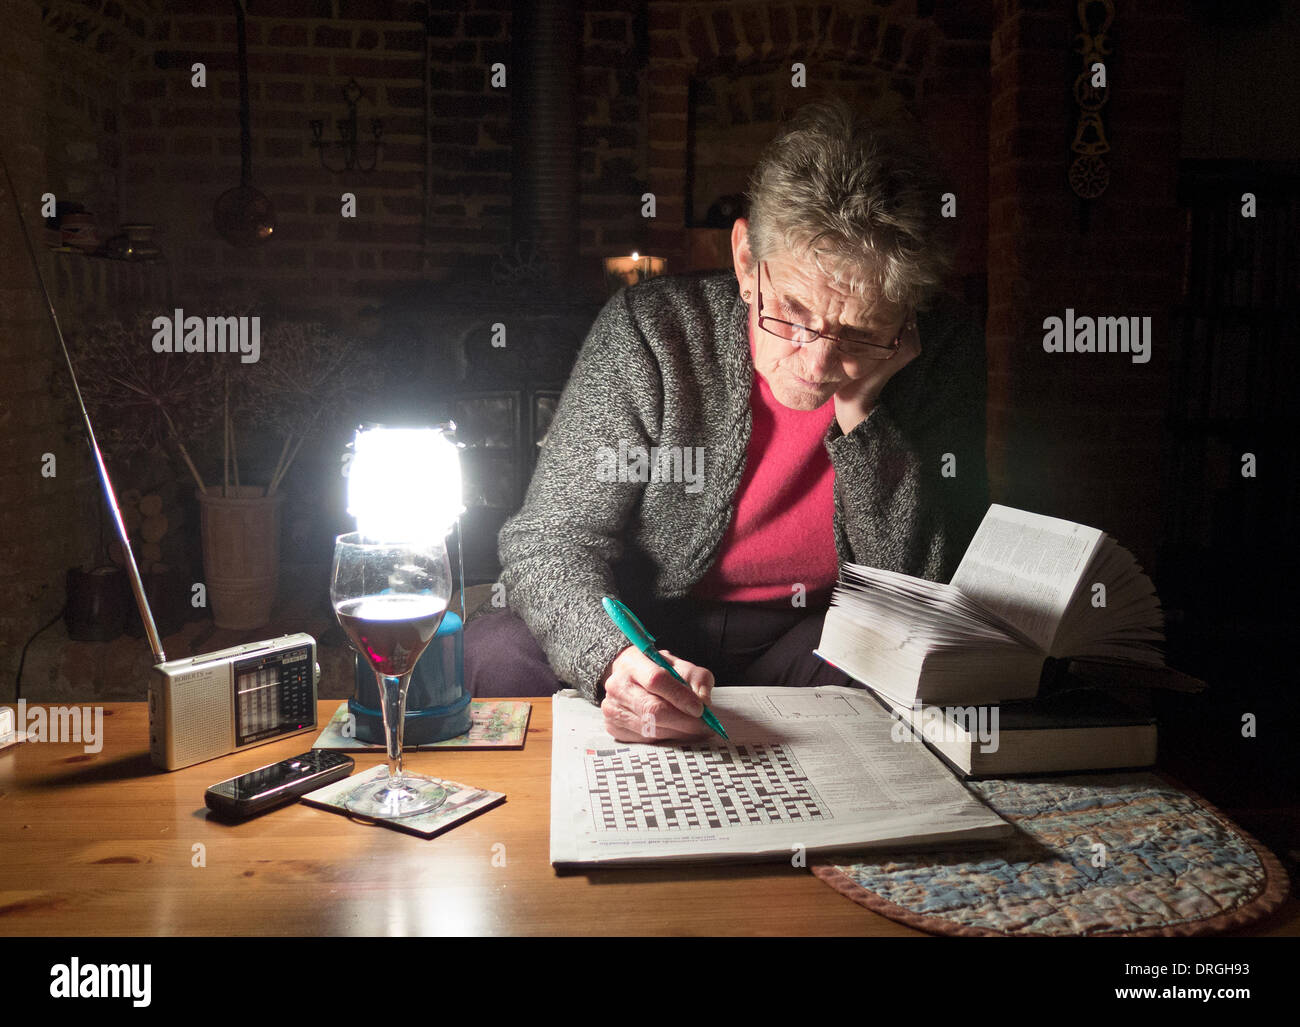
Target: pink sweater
782,532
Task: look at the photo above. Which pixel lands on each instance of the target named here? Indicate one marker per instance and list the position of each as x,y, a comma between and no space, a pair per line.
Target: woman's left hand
859,396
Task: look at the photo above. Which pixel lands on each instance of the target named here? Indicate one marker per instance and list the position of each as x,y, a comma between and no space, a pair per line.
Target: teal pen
626,621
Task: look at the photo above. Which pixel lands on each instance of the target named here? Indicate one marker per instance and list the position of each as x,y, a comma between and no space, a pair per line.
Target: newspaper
805,770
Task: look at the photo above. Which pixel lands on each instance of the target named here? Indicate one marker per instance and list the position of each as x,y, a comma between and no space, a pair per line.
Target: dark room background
497,204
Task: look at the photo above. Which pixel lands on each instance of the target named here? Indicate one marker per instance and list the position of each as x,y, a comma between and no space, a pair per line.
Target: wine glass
390,598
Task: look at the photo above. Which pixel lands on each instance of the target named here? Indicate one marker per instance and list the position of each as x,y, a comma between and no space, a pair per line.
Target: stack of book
1021,663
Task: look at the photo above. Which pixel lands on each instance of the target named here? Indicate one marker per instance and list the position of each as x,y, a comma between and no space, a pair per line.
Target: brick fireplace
719,81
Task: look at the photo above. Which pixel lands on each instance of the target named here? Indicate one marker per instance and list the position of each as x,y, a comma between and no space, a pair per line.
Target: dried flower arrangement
299,377
140,400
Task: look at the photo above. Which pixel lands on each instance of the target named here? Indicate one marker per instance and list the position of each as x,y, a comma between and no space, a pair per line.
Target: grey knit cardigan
667,364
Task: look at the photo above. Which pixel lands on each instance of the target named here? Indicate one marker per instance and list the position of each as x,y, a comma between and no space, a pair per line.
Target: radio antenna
137,586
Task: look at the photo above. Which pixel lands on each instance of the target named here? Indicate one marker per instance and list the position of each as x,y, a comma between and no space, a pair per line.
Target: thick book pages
1029,587
1041,575
804,770
1026,569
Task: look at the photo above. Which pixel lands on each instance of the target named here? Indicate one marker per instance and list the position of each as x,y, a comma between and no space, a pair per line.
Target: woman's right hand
643,702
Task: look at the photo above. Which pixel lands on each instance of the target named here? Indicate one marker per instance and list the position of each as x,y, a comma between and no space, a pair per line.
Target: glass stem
392,697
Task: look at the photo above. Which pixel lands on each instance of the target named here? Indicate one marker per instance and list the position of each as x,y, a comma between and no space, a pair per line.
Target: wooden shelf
82,283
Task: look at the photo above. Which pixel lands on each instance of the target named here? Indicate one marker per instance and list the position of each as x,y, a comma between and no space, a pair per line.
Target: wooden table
103,844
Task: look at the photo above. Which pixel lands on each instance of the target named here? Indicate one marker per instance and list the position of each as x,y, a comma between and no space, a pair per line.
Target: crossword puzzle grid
699,788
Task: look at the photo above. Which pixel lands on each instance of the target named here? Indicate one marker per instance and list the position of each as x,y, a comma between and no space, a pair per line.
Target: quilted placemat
1096,854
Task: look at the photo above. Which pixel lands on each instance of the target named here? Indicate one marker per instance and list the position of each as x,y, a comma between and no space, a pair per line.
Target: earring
746,295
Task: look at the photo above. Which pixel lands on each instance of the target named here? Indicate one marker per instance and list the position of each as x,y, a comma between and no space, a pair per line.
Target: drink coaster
1095,855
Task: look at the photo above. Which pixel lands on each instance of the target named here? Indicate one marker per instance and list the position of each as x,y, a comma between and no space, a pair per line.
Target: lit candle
621,271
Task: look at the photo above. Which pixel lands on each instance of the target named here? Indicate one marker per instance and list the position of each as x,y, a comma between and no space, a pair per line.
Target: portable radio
202,707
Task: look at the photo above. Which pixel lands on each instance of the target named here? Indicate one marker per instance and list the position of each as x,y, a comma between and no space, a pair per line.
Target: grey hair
859,197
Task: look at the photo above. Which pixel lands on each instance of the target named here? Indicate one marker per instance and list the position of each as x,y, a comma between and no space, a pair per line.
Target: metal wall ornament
348,145
1089,174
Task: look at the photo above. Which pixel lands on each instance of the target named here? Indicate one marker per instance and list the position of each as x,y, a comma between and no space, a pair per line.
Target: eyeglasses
853,347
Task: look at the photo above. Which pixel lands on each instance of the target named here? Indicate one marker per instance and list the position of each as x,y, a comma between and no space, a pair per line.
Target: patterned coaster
459,802
494,724
1095,854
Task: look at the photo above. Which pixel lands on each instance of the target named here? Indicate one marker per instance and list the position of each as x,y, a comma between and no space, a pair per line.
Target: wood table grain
103,844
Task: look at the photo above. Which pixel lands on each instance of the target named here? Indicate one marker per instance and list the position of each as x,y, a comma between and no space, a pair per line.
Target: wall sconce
347,143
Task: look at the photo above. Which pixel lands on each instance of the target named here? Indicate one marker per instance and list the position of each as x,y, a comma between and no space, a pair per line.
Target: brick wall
179,146
611,135
182,144
48,521
183,147
88,52
83,152
1071,434
739,58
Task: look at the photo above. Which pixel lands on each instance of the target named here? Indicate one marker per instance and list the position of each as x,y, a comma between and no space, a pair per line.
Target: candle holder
348,145
627,271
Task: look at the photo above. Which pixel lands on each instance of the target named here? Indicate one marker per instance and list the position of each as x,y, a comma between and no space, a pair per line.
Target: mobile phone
277,783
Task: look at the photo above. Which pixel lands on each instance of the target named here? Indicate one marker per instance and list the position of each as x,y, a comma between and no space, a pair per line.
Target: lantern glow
404,484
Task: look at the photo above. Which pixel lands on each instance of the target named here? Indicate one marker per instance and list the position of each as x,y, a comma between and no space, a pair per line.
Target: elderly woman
726,439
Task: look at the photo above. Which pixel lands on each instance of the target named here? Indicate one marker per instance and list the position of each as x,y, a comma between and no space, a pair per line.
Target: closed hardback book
1072,731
